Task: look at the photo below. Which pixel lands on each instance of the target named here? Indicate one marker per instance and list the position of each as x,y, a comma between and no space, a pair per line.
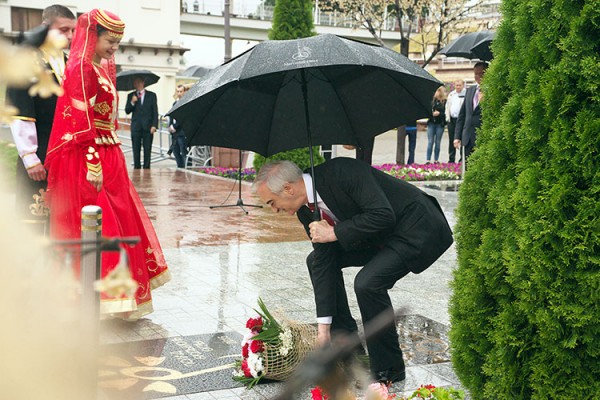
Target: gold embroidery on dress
102,108
67,112
39,207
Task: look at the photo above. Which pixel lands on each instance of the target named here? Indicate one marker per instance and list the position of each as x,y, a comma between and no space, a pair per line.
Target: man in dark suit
144,120
469,117
370,219
32,126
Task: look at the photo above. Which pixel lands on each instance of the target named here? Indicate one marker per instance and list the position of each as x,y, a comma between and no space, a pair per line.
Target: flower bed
413,172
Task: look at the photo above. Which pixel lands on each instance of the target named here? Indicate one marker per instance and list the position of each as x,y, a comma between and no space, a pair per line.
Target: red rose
317,394
254,324
245,351
246,369
257,346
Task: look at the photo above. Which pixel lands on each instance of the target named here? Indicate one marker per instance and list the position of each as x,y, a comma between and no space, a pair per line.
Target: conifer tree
525,313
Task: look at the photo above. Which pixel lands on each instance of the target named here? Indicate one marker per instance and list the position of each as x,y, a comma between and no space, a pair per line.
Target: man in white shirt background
453,104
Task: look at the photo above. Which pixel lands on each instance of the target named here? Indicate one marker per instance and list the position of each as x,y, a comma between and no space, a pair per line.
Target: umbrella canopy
482,49
461,46
125,78
288,94
195,71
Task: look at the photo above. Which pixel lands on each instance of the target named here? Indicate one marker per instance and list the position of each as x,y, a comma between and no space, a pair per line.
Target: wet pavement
222,260
178,202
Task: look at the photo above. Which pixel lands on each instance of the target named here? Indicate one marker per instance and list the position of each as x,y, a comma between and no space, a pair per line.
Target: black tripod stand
240,202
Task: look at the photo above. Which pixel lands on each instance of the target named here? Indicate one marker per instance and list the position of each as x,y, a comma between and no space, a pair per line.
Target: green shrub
525,310
299,156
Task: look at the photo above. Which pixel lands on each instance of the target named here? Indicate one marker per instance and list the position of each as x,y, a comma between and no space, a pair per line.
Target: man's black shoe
390,376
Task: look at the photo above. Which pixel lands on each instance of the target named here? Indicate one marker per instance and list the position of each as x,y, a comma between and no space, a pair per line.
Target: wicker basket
279,367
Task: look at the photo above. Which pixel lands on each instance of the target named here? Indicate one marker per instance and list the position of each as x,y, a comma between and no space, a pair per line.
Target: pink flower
380,390
248,336
246,369
255,324
245,350
257,346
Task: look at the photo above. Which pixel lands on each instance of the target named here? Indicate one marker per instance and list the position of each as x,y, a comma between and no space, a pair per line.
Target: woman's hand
436,113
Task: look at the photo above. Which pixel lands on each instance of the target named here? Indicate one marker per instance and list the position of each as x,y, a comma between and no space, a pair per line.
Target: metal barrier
162,136
198,157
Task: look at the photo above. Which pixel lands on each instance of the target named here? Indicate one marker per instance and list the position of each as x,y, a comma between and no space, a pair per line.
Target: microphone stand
239,202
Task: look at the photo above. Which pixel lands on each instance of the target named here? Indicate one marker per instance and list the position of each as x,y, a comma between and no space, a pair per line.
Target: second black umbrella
125,78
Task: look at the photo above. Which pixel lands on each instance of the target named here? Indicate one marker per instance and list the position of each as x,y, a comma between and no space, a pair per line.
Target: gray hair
51,13
275,174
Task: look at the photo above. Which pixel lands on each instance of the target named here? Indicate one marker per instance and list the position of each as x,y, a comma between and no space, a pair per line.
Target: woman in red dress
87,167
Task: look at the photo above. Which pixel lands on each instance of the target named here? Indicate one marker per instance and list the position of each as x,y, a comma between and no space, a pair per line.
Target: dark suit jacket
176,125
144,115
375,210
469,119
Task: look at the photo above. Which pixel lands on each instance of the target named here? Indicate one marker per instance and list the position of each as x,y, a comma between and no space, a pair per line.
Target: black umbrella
482,49
461,46
287,94
195,71
125,78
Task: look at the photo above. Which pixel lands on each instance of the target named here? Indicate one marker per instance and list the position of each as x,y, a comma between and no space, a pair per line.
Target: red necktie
324,214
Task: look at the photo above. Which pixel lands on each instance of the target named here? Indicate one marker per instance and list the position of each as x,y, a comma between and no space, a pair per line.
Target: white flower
255,364
286,341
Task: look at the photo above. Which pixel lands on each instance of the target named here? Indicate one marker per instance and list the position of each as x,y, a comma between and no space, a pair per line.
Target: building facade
151,40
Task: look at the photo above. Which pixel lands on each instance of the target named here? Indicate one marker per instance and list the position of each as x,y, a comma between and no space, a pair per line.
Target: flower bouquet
272,349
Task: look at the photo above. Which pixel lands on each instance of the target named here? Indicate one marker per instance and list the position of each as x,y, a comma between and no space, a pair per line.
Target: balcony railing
248,9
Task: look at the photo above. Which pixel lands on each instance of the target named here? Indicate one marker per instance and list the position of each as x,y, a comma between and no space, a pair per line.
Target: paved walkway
222,260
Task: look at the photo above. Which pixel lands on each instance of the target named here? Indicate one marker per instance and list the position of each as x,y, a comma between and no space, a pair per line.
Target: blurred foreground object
40,340
334,368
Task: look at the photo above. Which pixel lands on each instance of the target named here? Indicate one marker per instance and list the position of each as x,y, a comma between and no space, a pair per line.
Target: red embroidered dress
83,139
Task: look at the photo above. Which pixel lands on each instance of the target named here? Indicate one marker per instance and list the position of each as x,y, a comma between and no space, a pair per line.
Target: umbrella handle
316,212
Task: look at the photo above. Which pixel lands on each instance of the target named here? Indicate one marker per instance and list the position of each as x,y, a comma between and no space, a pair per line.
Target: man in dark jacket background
469,117
32,126
143,106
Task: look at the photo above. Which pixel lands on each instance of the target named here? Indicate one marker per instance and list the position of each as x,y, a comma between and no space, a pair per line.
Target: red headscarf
83,46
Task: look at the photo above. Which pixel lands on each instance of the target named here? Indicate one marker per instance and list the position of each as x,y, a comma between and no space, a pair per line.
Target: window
25,19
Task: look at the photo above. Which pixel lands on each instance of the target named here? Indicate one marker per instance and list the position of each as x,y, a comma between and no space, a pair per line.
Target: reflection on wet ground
179,202
223,260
